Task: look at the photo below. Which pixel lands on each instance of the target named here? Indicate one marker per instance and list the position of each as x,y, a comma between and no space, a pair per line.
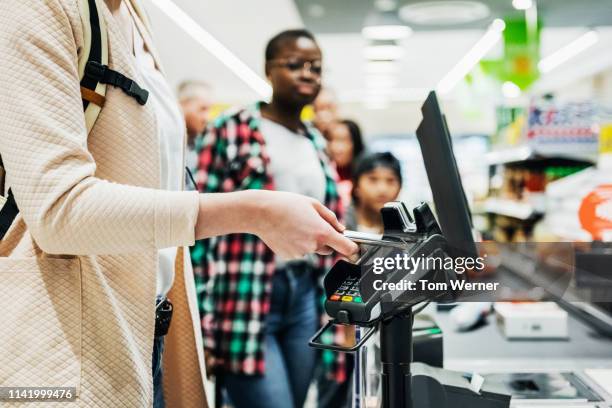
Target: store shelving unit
528,155
536,145
536,187
511,208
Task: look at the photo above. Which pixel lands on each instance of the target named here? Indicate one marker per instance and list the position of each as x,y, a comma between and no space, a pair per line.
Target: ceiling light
384,52
384,26
572,49
386,32
381,67
522,4
440,13
473,56
511,90
385,5
215,47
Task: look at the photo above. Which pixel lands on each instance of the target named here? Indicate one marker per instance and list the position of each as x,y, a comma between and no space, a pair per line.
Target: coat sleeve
43,143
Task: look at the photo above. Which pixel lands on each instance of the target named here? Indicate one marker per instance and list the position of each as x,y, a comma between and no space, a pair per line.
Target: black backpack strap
95,49
94,71
8,213
97,72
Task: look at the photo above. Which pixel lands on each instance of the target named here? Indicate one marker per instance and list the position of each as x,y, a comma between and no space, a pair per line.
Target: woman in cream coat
77,289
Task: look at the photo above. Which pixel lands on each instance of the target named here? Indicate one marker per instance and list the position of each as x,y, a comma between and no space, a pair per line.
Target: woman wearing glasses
259,309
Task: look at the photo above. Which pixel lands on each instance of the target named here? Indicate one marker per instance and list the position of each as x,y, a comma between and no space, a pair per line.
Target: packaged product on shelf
564,129
579,207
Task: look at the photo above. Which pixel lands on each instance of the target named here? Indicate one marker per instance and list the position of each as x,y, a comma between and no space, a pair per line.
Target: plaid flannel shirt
234,272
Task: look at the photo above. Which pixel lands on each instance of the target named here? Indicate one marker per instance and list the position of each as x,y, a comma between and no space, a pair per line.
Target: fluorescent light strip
572,49
473,56
212,45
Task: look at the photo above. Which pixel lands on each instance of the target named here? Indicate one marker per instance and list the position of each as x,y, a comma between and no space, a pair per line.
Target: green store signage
521,54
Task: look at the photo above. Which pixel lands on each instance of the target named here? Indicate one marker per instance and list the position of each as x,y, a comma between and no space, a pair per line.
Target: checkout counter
586,354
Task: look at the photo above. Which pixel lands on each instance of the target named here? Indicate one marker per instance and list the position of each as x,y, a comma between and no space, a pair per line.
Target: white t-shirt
295,166
171,129
294,162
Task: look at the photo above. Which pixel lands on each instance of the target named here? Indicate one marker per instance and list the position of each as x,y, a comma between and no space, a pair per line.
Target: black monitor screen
449,198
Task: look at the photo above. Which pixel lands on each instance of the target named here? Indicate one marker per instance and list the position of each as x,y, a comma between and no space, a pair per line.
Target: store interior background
519,188
200,39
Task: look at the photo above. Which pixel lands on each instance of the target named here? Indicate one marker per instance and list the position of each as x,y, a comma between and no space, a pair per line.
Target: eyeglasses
315,66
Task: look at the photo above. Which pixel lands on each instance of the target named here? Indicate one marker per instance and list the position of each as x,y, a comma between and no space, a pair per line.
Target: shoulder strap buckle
135,91
103,74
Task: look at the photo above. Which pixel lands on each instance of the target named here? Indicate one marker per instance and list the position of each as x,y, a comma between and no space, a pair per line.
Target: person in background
377,179
195,99
344,145
325,109
260,310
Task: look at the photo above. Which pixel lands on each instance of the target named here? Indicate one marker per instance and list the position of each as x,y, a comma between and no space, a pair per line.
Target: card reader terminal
352,296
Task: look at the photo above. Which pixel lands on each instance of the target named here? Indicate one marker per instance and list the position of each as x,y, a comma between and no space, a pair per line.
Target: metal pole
396,356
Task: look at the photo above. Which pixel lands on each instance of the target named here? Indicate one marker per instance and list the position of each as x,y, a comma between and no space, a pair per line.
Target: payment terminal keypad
347,292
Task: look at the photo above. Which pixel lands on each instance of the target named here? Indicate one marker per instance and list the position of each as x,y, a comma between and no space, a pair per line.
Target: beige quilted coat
77,292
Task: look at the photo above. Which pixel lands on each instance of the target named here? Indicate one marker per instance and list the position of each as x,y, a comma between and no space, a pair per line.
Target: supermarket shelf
508,155
527,154
511,208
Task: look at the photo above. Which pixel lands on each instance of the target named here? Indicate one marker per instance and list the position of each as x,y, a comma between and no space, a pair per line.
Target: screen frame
451,206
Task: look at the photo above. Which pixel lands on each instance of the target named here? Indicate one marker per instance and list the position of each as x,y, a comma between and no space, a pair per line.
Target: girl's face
376,188
340,144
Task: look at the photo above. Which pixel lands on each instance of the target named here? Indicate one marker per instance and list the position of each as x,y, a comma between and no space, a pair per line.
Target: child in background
377,179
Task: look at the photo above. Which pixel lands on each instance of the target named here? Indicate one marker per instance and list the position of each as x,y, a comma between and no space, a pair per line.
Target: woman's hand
292,225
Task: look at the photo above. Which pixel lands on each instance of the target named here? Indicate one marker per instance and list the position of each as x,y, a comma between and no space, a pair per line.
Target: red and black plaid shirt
234,272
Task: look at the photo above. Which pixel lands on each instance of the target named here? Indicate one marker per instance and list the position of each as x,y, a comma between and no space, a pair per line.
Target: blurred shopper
90,205
344,145
195,98
259,309
326,110
377,179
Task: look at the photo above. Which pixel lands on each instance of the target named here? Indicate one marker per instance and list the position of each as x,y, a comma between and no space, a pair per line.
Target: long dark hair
356,138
